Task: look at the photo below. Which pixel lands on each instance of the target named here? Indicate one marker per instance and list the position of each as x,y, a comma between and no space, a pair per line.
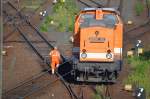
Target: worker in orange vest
55,59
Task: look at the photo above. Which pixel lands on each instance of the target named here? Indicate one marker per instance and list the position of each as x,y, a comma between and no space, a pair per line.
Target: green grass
139,8
63,16
140,75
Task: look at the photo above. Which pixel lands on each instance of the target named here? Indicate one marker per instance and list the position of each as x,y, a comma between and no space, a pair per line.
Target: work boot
57,65
53,71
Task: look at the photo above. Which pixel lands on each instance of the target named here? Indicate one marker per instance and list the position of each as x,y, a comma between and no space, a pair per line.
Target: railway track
117,4
96,4
148,8
22,41
137,32
36,83
91,3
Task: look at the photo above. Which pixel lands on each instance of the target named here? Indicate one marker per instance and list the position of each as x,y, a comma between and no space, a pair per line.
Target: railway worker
139,47
55,59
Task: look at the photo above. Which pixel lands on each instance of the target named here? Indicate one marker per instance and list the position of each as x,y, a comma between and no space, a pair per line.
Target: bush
140,73
146,55
63,16
98,94
44,28
139,8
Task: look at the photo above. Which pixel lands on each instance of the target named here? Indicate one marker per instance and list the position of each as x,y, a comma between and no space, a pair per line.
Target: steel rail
99,5
84,3
36,77
57,74
36,51
9,34
21,41
27,21
138,27
34,27
137,36
50,83
31,45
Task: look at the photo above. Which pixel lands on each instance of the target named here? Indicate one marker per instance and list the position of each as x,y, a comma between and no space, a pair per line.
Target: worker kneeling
55,59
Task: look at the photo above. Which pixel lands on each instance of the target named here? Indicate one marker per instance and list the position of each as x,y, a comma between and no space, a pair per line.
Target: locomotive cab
97,51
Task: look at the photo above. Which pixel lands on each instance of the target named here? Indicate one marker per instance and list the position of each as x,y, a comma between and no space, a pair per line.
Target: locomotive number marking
97,40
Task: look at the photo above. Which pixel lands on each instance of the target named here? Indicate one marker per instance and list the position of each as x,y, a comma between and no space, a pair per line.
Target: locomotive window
84,19
88,20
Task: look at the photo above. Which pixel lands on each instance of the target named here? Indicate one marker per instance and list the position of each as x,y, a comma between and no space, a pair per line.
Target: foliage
98,93
139,8
32,4
148,2
44,28
63,15
140,72
146,55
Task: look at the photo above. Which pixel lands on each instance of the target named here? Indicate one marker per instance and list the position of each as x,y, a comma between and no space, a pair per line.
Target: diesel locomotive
97,45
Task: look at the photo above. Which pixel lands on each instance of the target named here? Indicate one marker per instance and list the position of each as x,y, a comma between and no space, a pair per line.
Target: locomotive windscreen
89,20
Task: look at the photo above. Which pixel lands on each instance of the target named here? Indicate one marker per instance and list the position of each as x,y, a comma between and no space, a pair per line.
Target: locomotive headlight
83,55
109,56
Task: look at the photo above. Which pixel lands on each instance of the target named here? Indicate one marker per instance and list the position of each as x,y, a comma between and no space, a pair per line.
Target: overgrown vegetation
148,2
44,27
63,17
98,94
139,7
140,75
32,4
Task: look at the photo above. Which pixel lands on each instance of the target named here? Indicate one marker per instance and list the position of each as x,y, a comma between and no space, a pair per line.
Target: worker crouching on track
55,59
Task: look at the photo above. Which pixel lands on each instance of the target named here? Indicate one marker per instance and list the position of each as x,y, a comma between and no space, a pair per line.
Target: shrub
44,28
139,7
98,94
140,73
63,16
146,55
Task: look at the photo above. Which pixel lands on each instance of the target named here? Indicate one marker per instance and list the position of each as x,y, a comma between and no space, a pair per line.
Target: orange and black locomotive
97,45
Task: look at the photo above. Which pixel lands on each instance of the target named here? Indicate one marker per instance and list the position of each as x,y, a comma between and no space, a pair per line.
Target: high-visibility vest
55,55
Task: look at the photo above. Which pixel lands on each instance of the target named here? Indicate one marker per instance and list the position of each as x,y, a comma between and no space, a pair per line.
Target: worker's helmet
55,47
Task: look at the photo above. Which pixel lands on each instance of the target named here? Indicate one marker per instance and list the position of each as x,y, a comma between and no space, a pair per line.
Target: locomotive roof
104,9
